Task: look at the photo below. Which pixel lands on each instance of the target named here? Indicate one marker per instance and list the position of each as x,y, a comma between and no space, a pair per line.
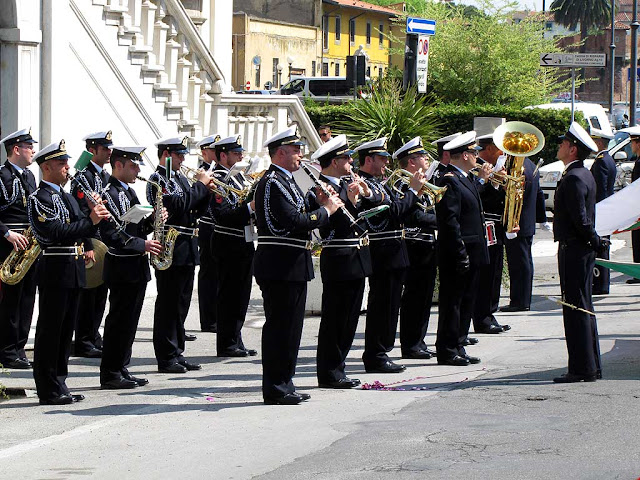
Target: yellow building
351,26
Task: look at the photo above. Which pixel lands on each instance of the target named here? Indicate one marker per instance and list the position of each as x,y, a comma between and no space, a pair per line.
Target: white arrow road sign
573,59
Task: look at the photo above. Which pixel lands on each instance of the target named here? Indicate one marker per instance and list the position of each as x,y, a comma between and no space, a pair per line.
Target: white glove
511,235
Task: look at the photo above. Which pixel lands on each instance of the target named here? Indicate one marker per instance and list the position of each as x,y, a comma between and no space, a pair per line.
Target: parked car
619,149
322,89
595,115
257,92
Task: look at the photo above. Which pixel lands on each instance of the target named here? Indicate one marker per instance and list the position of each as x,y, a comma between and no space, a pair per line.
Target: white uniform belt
184,230
75,250
285,242
420,237
233,232
127,255
207,220
496,217
17,226
347,242
389,235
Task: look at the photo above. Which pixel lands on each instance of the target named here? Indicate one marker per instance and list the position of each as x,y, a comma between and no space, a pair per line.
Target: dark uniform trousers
92,300
489,285
282,272
234,257
343,271
635,234
175,284
126,273
574,229
390,261
16,301
462,252
207,277
60,279
604,173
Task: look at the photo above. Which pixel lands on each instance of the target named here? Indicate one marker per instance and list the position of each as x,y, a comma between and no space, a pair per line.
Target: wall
301,12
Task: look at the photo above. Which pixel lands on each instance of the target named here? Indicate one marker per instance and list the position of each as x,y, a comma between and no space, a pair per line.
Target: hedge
459,118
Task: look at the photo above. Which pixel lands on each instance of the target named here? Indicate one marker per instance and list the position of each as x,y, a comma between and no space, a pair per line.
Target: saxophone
167,239
17,264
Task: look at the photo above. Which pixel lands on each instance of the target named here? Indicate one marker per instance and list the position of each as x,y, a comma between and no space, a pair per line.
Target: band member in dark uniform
126,270
634,136
233,250
208,272
88,342
574,228
443,156
490,275
345,262
184,203
282,264
420,237
59,226
462,250
16,306
388,254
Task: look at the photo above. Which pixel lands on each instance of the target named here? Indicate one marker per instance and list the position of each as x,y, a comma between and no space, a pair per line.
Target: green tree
587,13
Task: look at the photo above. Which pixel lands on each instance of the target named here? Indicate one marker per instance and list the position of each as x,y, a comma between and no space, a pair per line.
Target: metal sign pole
573,94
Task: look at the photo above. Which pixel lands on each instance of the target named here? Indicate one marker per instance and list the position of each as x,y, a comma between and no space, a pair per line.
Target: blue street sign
421,26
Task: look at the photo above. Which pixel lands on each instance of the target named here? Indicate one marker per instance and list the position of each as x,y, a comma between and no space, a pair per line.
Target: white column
221,19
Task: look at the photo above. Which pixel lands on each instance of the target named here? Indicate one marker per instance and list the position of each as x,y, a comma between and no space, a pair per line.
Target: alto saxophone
17,264
167,239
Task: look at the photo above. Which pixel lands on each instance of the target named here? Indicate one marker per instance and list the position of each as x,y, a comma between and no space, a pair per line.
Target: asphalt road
503,418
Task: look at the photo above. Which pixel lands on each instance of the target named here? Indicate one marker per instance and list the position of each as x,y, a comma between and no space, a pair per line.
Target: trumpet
498,178
220,187
430,193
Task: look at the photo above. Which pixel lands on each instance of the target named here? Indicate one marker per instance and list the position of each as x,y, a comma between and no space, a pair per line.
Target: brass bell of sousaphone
517,140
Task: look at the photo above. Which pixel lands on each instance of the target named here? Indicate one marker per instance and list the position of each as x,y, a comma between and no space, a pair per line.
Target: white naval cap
374,147
98,138
446,139
597,133
207,142
174,145
132,153
21,136
336,147
632,131
285,137
462,143
229,144
579,136
53,151
412,146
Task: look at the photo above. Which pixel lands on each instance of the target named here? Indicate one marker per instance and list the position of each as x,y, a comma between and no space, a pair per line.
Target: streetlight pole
612,59
634,64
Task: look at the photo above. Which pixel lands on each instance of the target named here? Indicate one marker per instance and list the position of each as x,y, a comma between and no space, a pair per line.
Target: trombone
429,193
221,188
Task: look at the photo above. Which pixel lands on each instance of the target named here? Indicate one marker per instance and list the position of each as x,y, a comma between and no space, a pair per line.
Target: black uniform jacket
533,208
126,261
342,263
420,227
230,216
635,173
57,220
281,211
14,191
574,206
461,229
604,173
387,254
492,204
184,203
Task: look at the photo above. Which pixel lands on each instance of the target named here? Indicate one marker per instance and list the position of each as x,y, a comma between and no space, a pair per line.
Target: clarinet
89,195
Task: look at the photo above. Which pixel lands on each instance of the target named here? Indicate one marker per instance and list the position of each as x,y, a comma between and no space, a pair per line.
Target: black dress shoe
189,337
471,359
632,281
571,378
417,355
600,292
356,381
288,399
251,352
490,329
234,352
141,382
342,383
77,398
386,367
505,328
303,396
173,368
470,341
211,329
118,384
190,366
93,353
513,308
63,399
18,364
456,361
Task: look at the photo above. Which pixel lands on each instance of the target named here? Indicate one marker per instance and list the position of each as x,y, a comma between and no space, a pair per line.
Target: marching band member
16,305
283,263
184,203
388,254
233,252
126,270
443,155
59,226
88,342
345,262
420,237
208,272
604,173
462,240
574,228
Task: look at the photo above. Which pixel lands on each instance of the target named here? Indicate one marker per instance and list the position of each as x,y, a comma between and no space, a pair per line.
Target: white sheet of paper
502,159
137,213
